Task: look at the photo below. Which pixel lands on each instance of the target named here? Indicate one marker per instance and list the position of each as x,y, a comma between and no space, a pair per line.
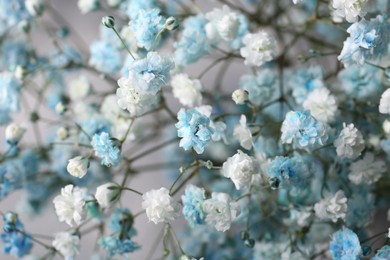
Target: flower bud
107,194
240,96
13,133
62,133
20,72
171,24
78,166
60,108
108,21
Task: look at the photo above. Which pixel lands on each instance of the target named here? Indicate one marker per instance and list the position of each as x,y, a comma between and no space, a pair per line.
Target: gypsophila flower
79,88
384,105
382,254
160,206
9,96
258,49
321,104
107,194
67,244
240,96
17,244
115,246
368,41
69,205
13,133
35,7
239,168
152,72
243,134
146,25
192,205
332,207
223,24
349,143
194,129
348,9
135,6
78,166
105,58
86,6
106,149
367,170
345,245
220,211
133,99
303,129
186,90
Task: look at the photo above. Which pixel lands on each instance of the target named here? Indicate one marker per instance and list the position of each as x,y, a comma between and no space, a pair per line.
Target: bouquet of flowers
268,119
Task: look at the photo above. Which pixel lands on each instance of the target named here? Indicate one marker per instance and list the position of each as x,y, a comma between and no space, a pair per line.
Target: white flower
135,101
240,96
187,90
13,133
67,244
296,1
70,205
107,194
239,169
322,105
388,233
160,206
386,126
223,24
78,166
259,48
220,211
86,6
62,133
348,9
332,207
243,134
350,143
34,7
114,3
384,104
79,88
367,170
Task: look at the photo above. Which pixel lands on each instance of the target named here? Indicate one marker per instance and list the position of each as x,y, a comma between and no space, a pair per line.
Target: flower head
192,205
106,194
258,49
332,207
67,244
367,170
239,168
345,245
350,143
106,149
78,166
322,105
243,134
186,90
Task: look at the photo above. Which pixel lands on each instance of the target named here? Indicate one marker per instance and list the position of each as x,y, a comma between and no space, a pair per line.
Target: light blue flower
303,129
152,72
115,246
15,243
194,128
14,53
192,205
105,57
193,43
345,245
133,7
9,96
121,222
284,172
260,87
106,148
382,254
304,81
13,11
361,81
145,26
368,40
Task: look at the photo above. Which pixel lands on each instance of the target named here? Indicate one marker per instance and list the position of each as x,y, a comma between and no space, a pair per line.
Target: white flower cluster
384,104
348,9
223,24
67,244
259,48
322,105
332,207
367,170
186,90
243,134
240,169
160,206
349,143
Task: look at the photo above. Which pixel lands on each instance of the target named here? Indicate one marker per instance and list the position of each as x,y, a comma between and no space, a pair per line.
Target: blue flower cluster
106,148
192,205
345,245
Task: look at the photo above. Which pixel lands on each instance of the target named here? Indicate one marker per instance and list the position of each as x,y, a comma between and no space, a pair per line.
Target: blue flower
106,148
192,205
152,72
193,43
105,57
114,246
382,254
345,245
260,87
194,128
16,243
14,53
284,172
303,129
361,81
135,6
368,40
121,222
9,96
145,26
13,11
304,81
